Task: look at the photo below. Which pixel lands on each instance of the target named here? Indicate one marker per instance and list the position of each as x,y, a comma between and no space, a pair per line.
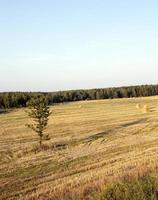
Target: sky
51,45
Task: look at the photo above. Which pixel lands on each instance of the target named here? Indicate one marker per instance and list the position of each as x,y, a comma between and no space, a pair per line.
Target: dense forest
20,99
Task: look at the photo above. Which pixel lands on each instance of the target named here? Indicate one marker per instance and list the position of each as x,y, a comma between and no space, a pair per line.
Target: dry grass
92,143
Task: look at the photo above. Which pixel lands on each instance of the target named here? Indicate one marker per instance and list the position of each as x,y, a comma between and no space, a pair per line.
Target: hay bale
146,108
138,106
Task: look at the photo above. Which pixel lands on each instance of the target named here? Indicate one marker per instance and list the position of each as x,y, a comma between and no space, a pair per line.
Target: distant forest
19,99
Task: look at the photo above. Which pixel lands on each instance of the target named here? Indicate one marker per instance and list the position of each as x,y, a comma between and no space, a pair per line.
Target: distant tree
97,95
39,112
6,101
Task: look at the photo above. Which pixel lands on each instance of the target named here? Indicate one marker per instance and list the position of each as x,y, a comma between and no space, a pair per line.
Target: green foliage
39,112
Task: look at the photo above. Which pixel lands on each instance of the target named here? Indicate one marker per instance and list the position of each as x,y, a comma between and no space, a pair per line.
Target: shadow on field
96,136
136,122
89,139
152,109
2,111
101,135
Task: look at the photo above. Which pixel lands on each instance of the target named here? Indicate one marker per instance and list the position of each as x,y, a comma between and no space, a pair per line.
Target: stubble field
92,143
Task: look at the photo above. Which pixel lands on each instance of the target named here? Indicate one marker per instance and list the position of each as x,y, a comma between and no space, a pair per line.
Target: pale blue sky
48,45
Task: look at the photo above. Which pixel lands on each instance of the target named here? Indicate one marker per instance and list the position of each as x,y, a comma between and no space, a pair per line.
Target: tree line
20,99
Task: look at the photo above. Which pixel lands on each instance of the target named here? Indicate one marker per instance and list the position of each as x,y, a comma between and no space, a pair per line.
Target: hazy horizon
63,45
71,89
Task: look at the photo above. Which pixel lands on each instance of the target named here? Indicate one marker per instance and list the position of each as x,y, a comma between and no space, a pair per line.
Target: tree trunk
40,141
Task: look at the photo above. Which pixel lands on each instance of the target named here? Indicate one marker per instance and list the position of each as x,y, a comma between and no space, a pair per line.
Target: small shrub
39,111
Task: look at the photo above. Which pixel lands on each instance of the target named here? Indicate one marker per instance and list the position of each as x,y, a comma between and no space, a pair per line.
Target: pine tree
39,112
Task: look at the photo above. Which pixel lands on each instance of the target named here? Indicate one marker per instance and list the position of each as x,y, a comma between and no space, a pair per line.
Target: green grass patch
144,188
